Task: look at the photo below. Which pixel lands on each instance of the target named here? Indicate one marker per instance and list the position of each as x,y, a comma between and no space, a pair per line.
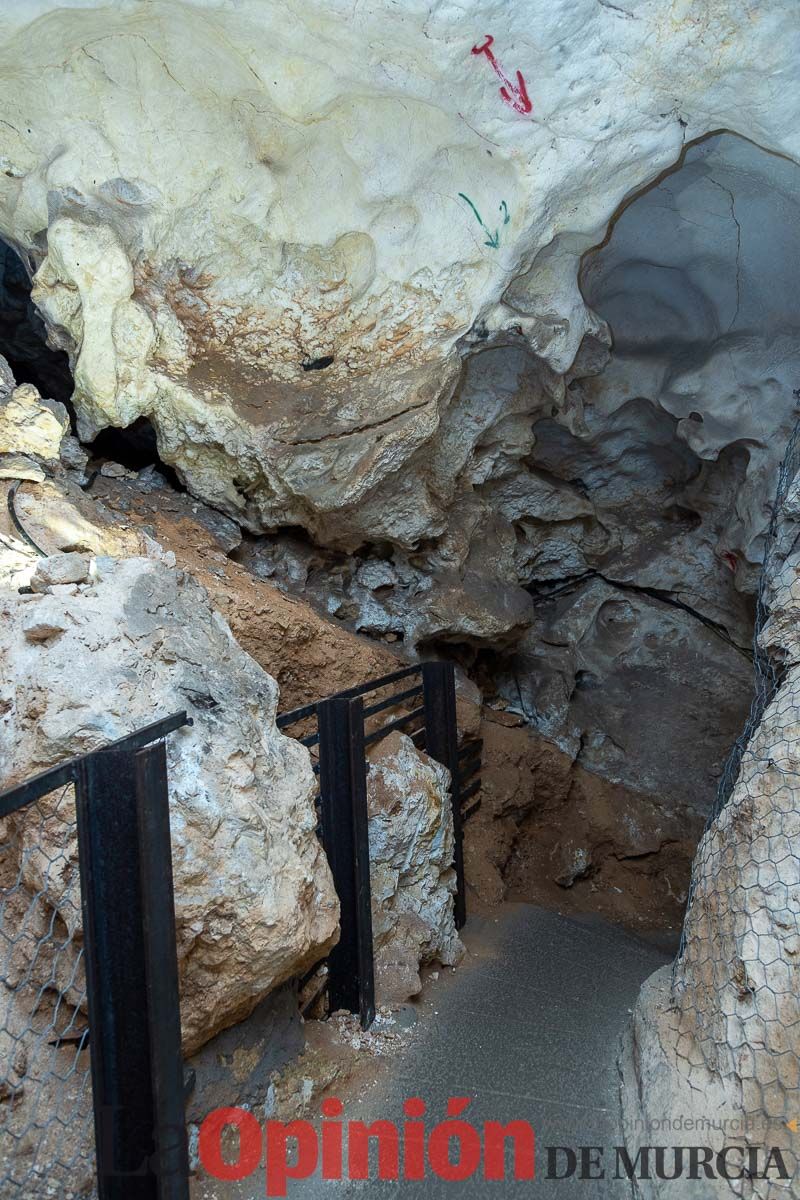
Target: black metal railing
128,955
117,982
342,727
469,773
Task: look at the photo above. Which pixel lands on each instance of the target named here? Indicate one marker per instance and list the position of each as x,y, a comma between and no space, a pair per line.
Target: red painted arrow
515,95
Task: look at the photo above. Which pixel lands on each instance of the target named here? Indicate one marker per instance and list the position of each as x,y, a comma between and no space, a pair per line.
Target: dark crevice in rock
135,447
23,341
541,595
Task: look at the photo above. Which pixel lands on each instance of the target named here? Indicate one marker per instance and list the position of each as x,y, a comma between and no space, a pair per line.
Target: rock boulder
411,866
254,898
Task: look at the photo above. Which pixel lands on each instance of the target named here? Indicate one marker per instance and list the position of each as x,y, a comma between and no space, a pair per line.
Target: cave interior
638,503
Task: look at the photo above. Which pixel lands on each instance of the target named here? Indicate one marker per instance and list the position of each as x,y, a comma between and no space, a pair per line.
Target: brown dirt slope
307,653
549,832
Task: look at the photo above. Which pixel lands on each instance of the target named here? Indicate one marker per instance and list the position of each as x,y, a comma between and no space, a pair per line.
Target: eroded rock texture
335,254
719,1037
274,228
100,655
334,259
605,535
411,872
675,448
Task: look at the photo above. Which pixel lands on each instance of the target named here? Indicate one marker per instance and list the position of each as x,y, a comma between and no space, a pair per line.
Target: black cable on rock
12,491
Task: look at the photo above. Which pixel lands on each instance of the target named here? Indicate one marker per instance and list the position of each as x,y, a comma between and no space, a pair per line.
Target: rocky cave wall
716,1033
644,593
104,630
23,337
284,278
598,573
336,266
340,263
255,901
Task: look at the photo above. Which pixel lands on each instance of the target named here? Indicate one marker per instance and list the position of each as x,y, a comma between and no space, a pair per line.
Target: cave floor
528,1028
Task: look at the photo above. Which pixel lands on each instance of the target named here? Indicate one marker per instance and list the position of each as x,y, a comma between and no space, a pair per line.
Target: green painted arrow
492,239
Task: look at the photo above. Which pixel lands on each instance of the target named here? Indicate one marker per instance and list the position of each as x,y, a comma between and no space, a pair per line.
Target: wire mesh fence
780,540
46,1145
734,1026
768,668
91,1075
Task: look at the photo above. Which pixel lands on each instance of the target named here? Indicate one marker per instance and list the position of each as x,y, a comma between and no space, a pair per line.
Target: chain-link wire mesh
46,1129
732,1031
778,546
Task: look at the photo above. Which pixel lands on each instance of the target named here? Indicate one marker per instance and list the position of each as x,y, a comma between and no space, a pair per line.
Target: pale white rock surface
44,620
255,903
411,866
31,429
30,424
60,568
275,228
718,1037
346,278
19,467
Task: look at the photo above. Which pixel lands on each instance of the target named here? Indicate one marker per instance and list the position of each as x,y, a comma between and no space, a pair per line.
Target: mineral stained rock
411,866
339,260
274,228
606,535
255,903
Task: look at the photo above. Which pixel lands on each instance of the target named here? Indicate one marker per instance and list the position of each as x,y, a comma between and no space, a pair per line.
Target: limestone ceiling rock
274,228
698,283
653,488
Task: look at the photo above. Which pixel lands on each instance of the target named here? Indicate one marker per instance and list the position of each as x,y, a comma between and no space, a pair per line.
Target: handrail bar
362,689
376,734
393,701
65,773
